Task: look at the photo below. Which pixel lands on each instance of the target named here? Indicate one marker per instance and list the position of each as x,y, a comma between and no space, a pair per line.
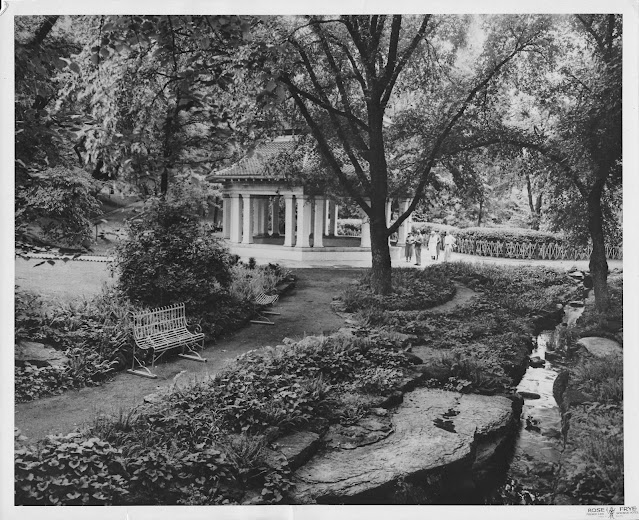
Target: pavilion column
318,227
235,218
366,229
389,215
266,206
289,221
226,217
333,212
247,233
404,229
304,215
257,223
275,216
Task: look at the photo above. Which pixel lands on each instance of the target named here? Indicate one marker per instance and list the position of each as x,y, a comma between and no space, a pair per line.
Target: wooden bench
262,301
160,330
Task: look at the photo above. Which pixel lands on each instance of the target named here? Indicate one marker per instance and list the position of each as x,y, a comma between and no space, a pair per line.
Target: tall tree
345,73
159,94
566,108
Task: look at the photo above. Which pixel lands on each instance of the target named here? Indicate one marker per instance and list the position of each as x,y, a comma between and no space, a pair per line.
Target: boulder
296,448
418,445
39,355
601,347
537,362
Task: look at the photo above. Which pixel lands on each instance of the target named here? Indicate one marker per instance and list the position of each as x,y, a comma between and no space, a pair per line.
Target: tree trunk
598,262
381,282
481,209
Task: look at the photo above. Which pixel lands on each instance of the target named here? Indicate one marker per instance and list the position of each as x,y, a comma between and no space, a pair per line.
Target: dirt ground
304,311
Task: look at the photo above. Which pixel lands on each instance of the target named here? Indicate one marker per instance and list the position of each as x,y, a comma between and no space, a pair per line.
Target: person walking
408,249
418,248
432,246
449,243
438,245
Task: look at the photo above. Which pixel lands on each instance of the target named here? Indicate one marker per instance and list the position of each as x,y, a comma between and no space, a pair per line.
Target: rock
537,362
559,386
297,448
405,340
412,358
529,395
392,400
439,373
39,355
551,355
576,275
153,398
415,447
380,412
576,303
601,347
367,431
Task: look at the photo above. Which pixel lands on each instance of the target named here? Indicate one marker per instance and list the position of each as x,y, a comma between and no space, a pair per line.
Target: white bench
262,301
160,330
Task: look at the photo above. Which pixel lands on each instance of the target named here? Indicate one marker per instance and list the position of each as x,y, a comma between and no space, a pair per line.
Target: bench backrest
163,319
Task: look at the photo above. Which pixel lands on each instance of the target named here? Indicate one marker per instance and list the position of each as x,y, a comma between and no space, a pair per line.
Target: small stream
538,448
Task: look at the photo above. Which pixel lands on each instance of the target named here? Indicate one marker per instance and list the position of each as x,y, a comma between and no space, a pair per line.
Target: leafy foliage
413,290
59,202
169,258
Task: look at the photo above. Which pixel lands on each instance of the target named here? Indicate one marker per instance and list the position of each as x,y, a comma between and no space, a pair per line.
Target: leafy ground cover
592,468
208,443
484,344
204,444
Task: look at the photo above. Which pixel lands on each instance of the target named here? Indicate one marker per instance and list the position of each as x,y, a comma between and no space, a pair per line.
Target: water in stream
538,447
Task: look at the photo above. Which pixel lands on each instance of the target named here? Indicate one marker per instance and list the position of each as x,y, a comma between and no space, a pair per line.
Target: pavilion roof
253,165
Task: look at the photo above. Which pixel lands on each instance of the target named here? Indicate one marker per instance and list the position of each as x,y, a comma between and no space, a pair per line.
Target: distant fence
532,251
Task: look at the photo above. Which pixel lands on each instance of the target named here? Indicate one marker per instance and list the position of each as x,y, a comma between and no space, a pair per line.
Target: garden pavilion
264,214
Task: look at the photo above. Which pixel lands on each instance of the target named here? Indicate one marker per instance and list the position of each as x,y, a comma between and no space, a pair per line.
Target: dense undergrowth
206,443
592,469
209,443
168,257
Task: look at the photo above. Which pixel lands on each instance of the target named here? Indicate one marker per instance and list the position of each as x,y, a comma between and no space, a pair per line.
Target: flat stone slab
297,447
601,347
39,355
432,429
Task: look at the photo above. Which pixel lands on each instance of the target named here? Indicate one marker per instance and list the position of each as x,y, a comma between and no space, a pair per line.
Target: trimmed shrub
506,234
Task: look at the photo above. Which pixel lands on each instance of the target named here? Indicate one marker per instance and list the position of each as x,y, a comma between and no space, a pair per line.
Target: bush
506,234
59,202
350,227
412,290
169,258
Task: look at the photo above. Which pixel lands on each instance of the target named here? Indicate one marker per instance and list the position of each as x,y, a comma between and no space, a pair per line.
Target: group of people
435,243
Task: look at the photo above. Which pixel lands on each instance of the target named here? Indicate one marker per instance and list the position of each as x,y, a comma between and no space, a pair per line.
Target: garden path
305,310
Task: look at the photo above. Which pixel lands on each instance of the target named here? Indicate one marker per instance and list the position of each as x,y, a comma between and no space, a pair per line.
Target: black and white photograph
309,260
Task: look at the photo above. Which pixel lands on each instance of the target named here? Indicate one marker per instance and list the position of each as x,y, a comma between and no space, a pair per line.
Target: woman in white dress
432,245
449,243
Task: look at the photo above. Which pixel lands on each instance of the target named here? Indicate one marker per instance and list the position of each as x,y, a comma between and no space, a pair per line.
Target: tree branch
328,154
392,79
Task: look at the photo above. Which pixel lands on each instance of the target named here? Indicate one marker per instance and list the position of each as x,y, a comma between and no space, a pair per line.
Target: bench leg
143,372
193,354
139,369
